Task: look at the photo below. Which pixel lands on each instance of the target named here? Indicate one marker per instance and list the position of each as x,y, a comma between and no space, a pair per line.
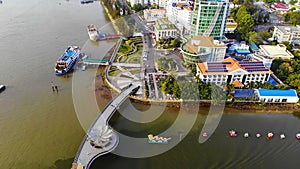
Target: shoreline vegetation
109,17
232,107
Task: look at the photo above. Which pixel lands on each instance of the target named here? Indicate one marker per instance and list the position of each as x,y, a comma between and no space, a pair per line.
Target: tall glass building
209,18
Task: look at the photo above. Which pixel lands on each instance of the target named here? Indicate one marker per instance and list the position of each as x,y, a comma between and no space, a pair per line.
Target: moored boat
157,139
232,133
258,135
68,59
270,135
204,134
2,87
93,32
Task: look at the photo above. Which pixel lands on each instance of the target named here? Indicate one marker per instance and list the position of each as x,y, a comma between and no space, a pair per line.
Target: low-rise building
287,34
231,25
152,15
275,51
180,14
280,7
133,2
163,29
277,96
231,71
203,49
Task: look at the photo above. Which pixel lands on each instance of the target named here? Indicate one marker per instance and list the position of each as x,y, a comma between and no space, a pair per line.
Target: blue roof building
277,96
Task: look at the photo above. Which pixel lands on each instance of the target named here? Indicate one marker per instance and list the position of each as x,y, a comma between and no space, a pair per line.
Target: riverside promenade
87,153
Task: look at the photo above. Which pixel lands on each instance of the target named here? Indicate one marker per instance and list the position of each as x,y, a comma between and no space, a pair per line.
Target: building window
284,100
263,100
277,100
270,99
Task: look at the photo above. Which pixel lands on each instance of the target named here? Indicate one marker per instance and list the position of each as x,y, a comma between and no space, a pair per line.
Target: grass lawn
135,71
114,72
123,59
135,60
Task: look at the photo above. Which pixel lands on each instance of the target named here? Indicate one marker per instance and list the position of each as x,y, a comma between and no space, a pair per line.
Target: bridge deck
87,153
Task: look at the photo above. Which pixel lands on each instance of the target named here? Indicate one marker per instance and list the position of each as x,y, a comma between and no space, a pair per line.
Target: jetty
88,152
92,61
103,36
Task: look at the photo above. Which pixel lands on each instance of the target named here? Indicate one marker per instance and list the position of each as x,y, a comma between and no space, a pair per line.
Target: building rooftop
288,29
276,51
280,5
164,24
202,41
155,10
230,65
237,83
277,92
253,47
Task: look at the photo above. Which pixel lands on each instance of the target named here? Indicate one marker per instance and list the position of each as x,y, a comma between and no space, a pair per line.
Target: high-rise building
209,18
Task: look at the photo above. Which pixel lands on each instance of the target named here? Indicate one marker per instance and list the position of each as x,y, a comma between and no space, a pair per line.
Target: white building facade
152,15
180,15
233,72
287,34
163,29
277,96
203,49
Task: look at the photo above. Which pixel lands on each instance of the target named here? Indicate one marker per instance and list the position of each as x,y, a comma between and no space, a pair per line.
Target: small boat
232,133
204,134
246,135
282,136
93,32
83,68
258,135
86,1
68,59
270,135
157,139
298,136
2,87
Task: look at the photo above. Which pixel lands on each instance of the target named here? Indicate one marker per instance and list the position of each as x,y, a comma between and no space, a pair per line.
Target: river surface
40,129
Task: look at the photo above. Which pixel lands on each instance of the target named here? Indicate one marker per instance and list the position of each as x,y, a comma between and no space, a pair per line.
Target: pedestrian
56,88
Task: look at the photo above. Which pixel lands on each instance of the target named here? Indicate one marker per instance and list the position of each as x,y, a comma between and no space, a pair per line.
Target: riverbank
111,19
235,107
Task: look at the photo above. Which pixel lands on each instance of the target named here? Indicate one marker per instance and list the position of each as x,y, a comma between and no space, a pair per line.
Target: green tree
265,35
294,80
175,43
295,17
266,17
245,23
288,45
252,37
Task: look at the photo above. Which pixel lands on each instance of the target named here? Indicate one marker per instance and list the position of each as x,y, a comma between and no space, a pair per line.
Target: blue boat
68,59
157,140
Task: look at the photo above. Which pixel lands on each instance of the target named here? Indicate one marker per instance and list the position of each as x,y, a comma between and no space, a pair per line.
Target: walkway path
87,153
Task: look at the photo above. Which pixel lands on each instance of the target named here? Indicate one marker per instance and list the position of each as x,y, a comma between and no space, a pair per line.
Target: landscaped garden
168,43
165,64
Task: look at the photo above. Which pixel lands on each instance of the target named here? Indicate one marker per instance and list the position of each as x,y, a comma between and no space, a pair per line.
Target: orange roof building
233,72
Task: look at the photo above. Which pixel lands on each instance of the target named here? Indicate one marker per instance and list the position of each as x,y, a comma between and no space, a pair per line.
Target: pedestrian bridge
87,153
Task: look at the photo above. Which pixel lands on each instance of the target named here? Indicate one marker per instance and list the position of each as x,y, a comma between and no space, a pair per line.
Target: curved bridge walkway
87,153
